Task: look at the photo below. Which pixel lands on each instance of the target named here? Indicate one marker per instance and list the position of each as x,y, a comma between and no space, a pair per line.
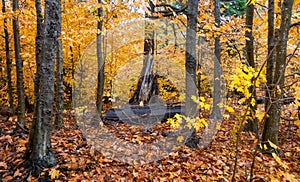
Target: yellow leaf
298,123
230,109
54,173
180,138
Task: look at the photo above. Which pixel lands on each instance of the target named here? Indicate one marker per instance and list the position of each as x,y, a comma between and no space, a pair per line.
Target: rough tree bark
100,79
8,63
19,66
252,125
39,151
59,74
276,77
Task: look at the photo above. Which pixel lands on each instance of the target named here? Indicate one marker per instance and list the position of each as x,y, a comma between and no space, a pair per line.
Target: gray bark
59,74
19,66
271,126
216,112
100,80
8,63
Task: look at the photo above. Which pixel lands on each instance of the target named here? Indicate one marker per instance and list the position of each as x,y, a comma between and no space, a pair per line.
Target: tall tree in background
19,65
8,62
275,69
39,151
252,124
216,112
59,73
100,78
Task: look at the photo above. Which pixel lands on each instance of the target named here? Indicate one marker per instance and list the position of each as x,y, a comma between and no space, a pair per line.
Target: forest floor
79,161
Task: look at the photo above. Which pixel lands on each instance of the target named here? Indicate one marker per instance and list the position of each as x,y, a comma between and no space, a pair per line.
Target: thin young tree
216,111
19,66
100,61
191,107
252,125
8,63
39,153
59,74
190,56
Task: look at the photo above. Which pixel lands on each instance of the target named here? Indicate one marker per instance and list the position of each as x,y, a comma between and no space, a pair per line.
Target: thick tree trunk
59,75
100,78
8,63
216,112
252,125
39,150
19,66
271,126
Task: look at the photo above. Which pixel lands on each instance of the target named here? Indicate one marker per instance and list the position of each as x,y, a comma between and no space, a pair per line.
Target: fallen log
149,113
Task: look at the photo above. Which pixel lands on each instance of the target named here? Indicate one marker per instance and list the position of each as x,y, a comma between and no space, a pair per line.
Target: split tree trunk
147,84
276,77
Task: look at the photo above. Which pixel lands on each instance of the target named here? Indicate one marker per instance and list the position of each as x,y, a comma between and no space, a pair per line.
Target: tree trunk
191,107
252,125
271,126
190,63
147,84
59,75
19,66
8,63
39,150
37,80
216,112
100,80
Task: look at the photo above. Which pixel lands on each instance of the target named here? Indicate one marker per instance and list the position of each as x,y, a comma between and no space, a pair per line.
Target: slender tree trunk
252,125
8,63
39,58
190,63
19,66
271,127
59,75
100,80
39,150
191,107
216,112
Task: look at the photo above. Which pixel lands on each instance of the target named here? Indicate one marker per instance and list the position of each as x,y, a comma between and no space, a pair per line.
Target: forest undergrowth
78,160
